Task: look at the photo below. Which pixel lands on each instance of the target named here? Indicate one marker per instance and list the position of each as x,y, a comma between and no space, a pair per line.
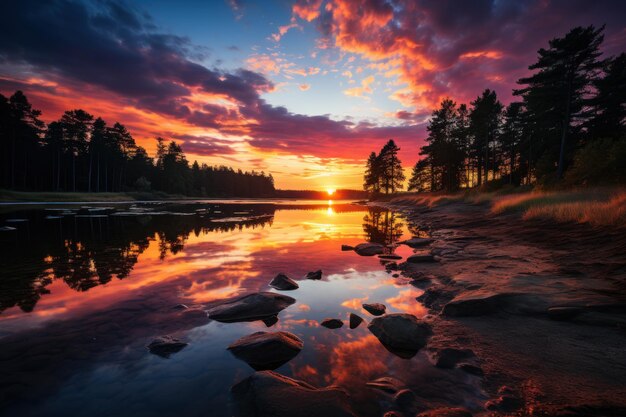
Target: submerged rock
417,242
420,258
267,351
375,309
314,275
448,357
284,283
391,256
165,346
332,323
369,249
446,412
402,334
387,384
564,313
268,394
355,321
251,307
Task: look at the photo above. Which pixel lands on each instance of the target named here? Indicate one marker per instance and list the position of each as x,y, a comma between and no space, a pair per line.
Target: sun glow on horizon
330,191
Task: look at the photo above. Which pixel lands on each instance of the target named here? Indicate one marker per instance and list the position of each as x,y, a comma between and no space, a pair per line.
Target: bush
601,161
142,184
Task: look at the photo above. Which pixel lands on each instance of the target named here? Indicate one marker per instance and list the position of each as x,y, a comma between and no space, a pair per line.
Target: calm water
83,292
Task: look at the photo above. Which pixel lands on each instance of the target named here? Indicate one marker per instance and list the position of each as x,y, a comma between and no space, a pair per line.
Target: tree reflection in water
382,226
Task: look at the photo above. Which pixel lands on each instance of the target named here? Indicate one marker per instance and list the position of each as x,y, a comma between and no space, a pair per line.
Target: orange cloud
304,87
307,10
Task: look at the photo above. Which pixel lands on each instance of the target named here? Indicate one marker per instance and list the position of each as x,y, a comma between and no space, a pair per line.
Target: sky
304,90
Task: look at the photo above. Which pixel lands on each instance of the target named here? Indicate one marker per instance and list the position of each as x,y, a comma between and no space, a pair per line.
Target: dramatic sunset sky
303,90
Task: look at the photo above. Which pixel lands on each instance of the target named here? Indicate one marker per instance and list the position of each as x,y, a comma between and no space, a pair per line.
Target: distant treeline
79,152
321,195
568,127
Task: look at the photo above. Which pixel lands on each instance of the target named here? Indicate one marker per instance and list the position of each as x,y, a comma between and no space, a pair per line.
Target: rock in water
268,394
314,275
391,256
387,384
251,307
165,346
447,358
417,242
332,323
267,351
369,249
346,248
375,309
284,283
270,321
355,321
420,258
402,334
446,412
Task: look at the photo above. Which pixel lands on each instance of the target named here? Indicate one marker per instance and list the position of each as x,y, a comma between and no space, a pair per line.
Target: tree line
568,126
80,152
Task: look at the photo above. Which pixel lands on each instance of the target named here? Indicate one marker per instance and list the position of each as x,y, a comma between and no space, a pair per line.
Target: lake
84,290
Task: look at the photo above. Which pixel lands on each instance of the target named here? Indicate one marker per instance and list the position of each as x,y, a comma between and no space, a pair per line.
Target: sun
330,191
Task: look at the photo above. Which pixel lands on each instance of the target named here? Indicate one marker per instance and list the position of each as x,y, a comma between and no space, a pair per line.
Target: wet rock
180,307
314,275
471,369
375,309
165,346
284,283
402,334
270,321
481,303
419,258
346,248
436,297
355,321
251,307
391,256
369,249
267,351
446,412
564,313
417,242
447,358
268,394
332,323
392,266
405,398
508,400
387,384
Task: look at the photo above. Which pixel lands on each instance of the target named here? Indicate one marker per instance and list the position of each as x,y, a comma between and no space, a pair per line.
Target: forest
80,152
567,128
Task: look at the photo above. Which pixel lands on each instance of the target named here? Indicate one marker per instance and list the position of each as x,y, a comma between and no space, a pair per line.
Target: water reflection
82,297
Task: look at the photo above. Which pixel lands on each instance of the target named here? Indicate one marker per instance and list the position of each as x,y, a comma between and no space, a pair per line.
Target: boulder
251,307
283,283
369,249
375,309
332,323
266,351
165,346
402,334
268,394
446,412
417,242
314,275
355,321
419,258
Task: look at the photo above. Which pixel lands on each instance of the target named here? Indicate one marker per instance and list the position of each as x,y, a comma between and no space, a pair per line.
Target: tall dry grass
597,213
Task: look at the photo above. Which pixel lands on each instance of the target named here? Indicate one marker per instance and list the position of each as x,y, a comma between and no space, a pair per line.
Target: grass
602,206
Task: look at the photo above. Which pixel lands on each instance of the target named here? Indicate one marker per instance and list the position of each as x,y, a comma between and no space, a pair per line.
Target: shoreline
539,304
